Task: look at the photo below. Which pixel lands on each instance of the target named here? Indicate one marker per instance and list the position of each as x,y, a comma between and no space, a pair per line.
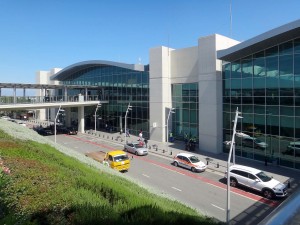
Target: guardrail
49,99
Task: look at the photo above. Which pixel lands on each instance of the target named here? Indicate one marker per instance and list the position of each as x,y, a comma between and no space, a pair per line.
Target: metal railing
48,99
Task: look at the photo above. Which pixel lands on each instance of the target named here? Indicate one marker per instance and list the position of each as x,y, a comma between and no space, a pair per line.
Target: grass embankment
47,187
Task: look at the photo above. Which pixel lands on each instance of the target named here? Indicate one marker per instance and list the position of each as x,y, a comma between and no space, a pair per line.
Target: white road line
218,207
145,175
176,189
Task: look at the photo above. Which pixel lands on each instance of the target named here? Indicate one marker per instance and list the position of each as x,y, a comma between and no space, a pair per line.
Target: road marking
145,175
176,189
218,207
220,185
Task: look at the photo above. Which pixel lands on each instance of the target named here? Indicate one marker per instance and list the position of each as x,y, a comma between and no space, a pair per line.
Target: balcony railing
49,99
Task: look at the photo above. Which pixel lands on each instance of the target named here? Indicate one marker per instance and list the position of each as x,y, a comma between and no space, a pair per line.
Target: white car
136,148
254,143
257,180
189,161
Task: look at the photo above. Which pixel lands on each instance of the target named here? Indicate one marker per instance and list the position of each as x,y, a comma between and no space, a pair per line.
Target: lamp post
170,111
58,112
232,149
98,106
129,107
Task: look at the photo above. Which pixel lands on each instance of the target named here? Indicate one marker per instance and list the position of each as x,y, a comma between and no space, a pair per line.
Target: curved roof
268,39
64,73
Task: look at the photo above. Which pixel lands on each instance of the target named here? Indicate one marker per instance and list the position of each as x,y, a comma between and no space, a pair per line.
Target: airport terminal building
204,85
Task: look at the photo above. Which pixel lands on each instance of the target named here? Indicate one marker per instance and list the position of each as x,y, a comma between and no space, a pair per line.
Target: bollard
218,165
163,151
156,149
206,162
112,138
171,153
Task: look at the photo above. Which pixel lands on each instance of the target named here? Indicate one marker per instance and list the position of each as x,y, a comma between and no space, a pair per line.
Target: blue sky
41,35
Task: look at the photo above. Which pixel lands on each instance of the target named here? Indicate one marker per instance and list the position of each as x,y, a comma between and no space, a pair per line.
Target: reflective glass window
287,126
286,84
247,68
236,70
297,45
247,87
272,66
272,86
297,64
226,71
286,65
286,48
259,67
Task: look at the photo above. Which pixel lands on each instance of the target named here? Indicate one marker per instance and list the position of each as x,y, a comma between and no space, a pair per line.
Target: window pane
235,70
286,65
286,48
272,66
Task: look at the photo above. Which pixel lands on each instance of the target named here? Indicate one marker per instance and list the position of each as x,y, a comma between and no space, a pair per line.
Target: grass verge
45,186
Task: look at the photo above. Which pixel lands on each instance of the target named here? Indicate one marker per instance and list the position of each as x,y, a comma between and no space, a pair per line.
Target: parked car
254,142
293,147
257,180
189,161
43,131
136,148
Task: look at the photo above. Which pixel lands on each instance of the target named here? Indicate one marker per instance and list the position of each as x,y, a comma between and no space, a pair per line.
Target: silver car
136,148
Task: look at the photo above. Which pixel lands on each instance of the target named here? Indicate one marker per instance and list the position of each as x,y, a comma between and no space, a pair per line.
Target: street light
128,109
58,112
232,148
98,106
170,111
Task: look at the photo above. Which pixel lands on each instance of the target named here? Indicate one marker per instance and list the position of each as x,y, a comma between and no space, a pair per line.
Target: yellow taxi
118,160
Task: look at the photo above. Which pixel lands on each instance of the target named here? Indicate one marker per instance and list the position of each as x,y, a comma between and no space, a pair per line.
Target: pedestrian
127,132
141,135
146,142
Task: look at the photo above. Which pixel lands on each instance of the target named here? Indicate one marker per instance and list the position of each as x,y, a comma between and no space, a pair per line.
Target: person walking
127,132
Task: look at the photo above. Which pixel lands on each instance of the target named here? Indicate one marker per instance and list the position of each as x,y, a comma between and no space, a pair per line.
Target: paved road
205,191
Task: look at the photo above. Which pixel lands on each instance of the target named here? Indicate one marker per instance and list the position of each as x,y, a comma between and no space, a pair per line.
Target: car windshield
264,177
120,158
194,159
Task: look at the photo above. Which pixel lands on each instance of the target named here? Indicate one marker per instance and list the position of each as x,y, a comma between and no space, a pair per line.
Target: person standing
141,135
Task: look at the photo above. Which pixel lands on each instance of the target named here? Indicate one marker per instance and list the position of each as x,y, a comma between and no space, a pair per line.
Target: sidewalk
215,162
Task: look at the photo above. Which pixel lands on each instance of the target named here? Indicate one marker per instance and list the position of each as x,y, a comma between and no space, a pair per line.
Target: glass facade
265,87
120,86
185,119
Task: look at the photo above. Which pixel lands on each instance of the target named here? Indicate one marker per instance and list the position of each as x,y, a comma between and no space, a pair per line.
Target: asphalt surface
205,192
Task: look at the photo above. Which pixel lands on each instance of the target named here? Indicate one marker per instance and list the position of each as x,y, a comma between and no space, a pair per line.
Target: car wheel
233,182
267,193
175,163
193,169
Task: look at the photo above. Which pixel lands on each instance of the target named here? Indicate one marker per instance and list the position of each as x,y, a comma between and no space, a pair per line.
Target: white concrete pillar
86,94
66,94
81,119
68,116
15,98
